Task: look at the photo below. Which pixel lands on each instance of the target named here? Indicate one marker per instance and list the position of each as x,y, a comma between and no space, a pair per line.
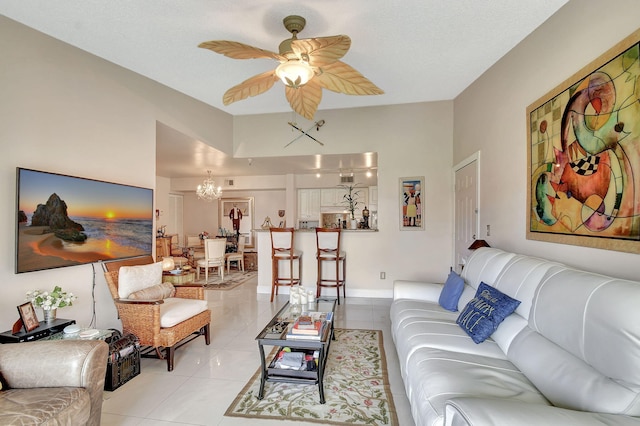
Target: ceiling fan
306,67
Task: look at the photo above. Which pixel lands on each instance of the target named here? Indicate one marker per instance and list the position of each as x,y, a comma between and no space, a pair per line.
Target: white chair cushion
332,256
296,253
204,263
174,310
139,277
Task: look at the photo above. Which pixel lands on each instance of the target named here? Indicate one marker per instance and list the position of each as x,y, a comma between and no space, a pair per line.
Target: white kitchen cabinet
328,197
313,201
308,204
333,197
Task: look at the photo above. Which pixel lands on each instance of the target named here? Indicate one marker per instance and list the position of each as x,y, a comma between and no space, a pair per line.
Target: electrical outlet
488,230
383,275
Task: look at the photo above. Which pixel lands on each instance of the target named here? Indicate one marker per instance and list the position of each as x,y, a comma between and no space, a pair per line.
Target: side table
45,329
182,278
100,334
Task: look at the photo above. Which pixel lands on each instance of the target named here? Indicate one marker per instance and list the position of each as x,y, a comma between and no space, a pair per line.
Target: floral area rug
356,388
231,281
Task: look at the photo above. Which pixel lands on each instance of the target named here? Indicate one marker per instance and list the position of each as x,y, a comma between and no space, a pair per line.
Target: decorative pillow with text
484,313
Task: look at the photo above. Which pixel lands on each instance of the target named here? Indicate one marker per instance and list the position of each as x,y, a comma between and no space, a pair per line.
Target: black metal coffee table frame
270,336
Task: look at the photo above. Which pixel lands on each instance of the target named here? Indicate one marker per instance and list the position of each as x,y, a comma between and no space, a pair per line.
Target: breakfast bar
358,263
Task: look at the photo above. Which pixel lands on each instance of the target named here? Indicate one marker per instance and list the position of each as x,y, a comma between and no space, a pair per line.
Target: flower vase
49,315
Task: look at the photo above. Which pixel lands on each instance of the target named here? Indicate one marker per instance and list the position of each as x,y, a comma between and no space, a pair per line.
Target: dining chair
238,256
214,250
195,248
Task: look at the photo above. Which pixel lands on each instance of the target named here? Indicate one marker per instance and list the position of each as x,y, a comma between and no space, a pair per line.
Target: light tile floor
206,379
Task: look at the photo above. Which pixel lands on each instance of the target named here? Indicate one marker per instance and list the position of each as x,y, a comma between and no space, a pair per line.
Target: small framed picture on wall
411,206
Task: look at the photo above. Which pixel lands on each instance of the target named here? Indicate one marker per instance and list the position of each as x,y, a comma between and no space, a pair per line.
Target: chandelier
208,191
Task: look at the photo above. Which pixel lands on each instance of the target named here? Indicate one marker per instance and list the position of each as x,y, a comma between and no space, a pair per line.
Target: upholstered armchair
55,382
162,316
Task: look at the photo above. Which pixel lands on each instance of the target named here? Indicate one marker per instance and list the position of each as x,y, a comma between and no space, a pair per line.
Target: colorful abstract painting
584,155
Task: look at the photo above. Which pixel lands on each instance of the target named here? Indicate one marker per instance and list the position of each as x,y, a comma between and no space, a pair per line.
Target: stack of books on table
310,326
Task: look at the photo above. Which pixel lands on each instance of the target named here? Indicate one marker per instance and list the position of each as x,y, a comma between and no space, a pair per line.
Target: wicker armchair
142,317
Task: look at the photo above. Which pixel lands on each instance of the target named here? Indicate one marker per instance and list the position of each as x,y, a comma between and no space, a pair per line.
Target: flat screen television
65,220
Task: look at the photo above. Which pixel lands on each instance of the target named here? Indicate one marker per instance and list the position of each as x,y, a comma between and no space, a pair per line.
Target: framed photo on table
411,207
28,317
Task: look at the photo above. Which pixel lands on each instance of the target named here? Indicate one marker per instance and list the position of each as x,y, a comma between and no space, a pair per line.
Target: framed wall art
583,155
236,216
411,207
66,220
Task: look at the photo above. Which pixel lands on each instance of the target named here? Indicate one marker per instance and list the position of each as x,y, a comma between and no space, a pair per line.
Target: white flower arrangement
50,300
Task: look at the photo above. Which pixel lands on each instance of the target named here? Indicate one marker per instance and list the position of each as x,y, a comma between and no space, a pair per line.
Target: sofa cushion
484,313
436,376
591,361
55,406
138,277
484,265
451,292
155,292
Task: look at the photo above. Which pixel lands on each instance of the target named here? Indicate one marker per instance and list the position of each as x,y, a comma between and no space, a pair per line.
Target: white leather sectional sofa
568,355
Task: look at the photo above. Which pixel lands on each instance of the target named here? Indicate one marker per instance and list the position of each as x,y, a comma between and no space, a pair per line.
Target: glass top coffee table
314,350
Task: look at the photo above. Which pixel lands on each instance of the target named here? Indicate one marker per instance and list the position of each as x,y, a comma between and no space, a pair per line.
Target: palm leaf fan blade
342,78
321,51
251,87
237,50
305,99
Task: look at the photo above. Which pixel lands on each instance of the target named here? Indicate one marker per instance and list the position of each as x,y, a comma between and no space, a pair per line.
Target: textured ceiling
414,50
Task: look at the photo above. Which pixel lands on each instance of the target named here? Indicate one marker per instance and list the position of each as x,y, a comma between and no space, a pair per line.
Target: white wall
63,110
268,193
166,218
411,140
490,116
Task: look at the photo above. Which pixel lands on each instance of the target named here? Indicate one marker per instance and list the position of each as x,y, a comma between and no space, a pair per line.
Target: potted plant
50,301
350,199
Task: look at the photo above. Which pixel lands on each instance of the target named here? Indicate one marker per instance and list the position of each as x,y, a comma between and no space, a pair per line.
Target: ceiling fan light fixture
294,73
208,190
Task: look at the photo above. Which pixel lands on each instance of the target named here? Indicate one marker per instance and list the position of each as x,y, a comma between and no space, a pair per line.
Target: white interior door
466,228
175,221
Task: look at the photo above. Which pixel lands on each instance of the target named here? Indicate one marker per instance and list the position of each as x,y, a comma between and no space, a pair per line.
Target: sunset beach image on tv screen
65,221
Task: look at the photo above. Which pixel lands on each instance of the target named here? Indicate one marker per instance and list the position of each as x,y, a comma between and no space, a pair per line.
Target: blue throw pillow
451,292
484,313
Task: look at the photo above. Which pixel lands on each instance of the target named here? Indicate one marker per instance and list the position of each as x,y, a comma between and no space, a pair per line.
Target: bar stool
282,249
328,250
